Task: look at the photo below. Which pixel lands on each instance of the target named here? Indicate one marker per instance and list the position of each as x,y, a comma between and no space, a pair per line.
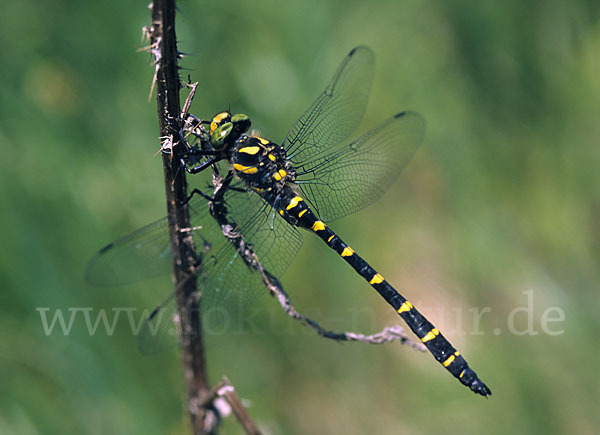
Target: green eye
218,120
220,135
241,123
240,117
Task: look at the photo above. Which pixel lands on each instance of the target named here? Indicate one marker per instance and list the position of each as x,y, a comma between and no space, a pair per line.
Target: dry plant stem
228,393
188,100
164,49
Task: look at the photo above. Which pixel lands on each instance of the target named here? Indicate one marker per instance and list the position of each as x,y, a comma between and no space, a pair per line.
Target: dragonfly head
225,129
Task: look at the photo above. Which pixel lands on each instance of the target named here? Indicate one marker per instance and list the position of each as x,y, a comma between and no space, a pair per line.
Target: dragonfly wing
141,255
336,113
228,282
160,330
232,282
146,252
356,174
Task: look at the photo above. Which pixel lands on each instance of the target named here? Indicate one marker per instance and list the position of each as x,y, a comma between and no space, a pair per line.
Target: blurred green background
499,209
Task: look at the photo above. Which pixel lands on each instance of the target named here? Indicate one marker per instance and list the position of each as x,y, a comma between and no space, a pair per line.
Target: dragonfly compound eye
219,120
241,124
220,135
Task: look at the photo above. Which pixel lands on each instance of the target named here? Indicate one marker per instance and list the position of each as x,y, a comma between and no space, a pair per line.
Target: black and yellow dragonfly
315,176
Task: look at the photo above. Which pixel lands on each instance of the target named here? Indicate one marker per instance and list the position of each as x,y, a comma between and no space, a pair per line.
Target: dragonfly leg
201,166
198,192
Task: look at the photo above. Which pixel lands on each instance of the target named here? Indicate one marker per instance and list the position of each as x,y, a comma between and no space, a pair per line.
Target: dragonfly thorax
261,164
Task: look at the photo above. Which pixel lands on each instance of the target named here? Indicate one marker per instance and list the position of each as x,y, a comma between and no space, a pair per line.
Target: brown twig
228,393
163,47
224,390
387,335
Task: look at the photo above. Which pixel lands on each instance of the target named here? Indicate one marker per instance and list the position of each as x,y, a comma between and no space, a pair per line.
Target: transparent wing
356,174
228,282
161,329
336,113
146,253
231,282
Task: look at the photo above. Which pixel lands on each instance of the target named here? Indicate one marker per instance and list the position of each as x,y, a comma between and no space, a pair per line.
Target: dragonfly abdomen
294,209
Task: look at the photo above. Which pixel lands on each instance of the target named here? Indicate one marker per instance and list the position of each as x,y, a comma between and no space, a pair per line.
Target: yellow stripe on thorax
250,150
245,169
279,174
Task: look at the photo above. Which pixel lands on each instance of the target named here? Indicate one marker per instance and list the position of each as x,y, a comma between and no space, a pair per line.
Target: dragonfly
273,191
